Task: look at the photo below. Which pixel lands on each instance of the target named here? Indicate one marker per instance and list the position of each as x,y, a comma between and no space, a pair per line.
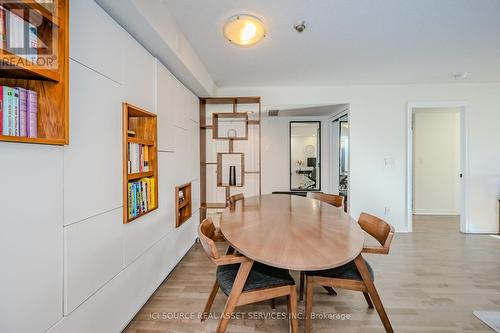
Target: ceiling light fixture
244,30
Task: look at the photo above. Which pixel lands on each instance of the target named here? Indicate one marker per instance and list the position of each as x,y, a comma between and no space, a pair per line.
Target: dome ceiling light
244,30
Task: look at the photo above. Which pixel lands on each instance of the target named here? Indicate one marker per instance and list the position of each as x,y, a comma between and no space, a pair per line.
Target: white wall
276,152
69,263
436,161
378,133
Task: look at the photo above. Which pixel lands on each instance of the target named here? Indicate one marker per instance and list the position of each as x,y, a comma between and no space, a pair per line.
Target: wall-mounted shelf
183,204
140,163
48,76
140,175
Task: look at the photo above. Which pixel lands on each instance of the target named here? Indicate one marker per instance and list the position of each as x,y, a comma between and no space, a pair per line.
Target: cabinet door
165,92
139,76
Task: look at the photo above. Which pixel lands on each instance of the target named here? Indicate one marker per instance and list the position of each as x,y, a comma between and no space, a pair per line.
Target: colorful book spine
146,158
7,111
153,198
15,111
139,198
23,109
140,159
134,200
31,114
130,201
149,203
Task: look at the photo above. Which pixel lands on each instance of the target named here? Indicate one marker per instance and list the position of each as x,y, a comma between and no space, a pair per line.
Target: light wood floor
430,282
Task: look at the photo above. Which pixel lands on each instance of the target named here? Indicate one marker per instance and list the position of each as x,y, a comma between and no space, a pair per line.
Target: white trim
464,156
401,229
331,119
435,212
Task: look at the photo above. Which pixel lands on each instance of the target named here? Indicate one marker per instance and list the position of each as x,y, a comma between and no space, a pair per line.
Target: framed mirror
305,155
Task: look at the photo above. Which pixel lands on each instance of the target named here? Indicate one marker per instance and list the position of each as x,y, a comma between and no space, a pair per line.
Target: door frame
464,159
332,151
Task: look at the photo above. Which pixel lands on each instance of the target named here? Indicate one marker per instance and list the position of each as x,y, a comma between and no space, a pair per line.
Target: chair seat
348,271
261,277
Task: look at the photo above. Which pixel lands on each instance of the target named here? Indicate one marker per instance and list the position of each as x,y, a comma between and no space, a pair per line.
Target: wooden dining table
297,233
292,232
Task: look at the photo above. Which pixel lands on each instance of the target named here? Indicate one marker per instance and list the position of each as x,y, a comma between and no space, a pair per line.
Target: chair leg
292,310
210,301
309,304
372,291
368,300
330,291
301,287
233,297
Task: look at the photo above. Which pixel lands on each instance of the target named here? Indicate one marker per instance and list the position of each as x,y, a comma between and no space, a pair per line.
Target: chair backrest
382,231
332,199
206,232
236,197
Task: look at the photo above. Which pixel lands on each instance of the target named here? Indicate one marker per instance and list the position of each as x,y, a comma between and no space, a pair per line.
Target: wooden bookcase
49,76
183,203
144,124
235,109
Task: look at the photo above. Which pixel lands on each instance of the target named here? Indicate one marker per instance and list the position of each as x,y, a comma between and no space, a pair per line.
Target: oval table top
292,232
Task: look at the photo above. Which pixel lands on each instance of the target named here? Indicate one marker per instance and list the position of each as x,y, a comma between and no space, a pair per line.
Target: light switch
389,161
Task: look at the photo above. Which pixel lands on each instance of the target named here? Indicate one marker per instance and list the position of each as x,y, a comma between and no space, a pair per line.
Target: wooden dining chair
334,200
245,282
356,275
236,197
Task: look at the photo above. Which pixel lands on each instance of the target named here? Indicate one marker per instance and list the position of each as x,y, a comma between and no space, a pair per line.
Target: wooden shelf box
183,204
230,126
144,142
224,161
48,75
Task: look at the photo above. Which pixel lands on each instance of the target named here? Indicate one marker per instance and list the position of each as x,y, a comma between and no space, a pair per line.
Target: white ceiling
347,41
307,111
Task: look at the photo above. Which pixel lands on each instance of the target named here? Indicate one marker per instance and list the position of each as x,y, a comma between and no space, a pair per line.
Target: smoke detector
300,27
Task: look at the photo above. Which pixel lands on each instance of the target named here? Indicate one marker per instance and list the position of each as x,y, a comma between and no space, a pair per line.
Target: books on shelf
138,158
23,109
141,196
18,112
31,114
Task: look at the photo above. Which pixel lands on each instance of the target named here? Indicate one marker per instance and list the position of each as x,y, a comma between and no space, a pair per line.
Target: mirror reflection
305,155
